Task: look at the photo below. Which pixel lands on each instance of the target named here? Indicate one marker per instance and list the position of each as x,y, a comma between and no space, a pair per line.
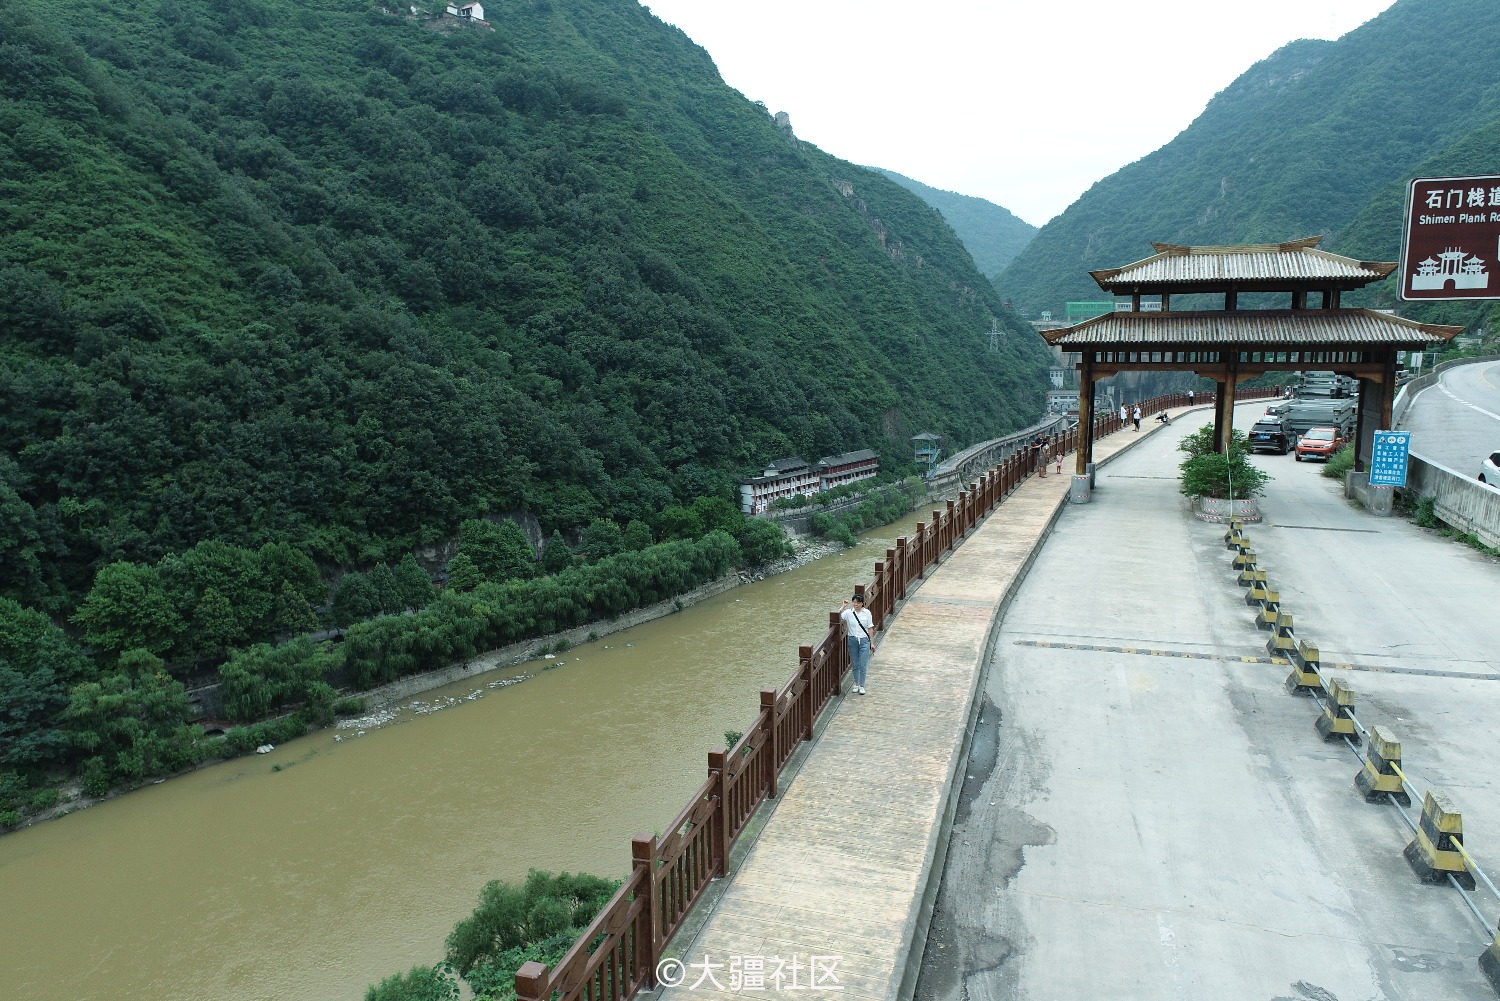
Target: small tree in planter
1221,484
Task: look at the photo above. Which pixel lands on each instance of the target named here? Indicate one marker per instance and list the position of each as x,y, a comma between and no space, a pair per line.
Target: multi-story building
793,475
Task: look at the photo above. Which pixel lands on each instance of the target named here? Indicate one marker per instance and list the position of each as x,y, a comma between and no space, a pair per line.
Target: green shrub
1207,473
9,819
95,778
1340,462
421,983
546,906
352,706
1425,517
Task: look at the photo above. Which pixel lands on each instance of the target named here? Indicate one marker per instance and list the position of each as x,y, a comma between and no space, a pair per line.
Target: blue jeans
859,658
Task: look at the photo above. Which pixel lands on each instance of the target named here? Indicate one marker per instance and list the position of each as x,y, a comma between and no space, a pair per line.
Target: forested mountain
992,234
1318,139
328,274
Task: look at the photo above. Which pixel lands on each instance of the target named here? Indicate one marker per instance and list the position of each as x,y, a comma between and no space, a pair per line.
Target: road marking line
1421,672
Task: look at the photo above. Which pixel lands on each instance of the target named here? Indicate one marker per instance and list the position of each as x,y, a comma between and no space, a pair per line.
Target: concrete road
1150,815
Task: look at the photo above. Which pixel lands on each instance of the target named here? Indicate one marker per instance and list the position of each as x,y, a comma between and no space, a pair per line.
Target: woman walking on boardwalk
859,628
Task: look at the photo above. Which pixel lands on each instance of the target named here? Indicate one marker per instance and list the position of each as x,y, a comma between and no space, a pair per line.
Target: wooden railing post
648,936
840,654
531,982
896,560
809,706
770,747
719,774
949,536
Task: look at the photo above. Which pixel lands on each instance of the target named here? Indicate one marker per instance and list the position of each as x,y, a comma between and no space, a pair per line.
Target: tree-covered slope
327,274
1302,144
993,235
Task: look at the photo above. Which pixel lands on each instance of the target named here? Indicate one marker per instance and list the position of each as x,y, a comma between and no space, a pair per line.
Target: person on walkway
859,628
1058,456
1190,397
1124,415
1038,449
1136,416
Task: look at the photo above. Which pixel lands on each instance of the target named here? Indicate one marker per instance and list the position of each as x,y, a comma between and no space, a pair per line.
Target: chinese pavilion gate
1230,344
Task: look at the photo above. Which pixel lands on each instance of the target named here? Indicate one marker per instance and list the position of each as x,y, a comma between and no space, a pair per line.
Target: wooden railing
617,955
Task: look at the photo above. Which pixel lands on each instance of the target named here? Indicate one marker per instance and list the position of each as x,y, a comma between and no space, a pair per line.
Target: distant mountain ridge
1317,139
992,233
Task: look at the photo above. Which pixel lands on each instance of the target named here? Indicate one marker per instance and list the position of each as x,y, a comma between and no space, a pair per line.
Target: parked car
1319,443
1489,470
1269,434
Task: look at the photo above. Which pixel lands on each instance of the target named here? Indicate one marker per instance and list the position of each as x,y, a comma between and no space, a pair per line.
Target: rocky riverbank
390,703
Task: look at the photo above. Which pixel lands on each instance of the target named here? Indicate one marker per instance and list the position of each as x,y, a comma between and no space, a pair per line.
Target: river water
311,872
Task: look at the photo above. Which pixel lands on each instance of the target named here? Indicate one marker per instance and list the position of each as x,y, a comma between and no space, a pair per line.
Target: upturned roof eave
1119,281
1422,334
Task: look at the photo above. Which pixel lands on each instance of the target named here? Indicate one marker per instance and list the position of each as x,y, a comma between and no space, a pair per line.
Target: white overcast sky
1024,104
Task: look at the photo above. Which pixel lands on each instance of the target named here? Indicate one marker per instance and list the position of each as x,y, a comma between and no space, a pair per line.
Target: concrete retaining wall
1459,500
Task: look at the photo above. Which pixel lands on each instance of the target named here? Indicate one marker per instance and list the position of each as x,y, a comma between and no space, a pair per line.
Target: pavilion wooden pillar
1376,410
1085,453
1224,401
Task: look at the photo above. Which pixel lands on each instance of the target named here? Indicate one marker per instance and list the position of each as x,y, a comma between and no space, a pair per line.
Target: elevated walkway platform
836,890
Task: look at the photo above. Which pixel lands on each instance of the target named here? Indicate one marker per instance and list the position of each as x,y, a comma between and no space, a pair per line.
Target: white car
1489,470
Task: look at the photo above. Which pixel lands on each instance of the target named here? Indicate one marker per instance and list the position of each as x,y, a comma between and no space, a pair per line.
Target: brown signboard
1451,248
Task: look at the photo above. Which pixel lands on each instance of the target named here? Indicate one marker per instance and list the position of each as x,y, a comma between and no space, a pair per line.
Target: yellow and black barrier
1489,963
1234,536
1259,588
1380,778
1433,854
1337,720
1244,560
1249,577
1270,609
1281,642
1304,677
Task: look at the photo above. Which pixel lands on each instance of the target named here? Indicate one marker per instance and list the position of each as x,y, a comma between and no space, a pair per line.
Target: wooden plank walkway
835,892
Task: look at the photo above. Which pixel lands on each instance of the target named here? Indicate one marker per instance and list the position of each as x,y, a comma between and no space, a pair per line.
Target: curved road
1456,422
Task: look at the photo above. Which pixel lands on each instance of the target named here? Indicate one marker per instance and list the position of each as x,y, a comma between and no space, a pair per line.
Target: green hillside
993,235
1317,139
329,275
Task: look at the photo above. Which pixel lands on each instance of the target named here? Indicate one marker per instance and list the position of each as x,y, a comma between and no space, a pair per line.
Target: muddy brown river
311,872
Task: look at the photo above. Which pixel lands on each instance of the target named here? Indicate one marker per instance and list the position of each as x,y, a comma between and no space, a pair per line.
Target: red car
1319,443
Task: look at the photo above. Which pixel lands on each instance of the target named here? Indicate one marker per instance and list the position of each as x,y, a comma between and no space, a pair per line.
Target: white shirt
863,617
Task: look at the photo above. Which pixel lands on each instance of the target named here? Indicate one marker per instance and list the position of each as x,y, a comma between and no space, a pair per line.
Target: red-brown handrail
669,875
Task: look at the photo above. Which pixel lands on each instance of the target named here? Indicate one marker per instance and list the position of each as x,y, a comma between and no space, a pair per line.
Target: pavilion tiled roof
1257,266
1268,328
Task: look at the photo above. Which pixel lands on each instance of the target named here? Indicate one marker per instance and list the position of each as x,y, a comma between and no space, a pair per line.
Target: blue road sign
1388,463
